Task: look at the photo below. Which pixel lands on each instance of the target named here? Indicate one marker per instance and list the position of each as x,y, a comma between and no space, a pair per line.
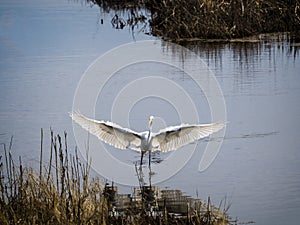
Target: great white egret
170,138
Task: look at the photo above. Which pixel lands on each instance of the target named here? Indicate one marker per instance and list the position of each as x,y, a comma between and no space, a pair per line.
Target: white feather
109,132
175,137
165,140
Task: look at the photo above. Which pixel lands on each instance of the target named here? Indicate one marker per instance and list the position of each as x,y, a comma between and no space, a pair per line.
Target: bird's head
151,118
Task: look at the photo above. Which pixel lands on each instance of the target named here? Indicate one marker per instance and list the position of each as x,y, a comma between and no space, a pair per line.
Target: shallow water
46,47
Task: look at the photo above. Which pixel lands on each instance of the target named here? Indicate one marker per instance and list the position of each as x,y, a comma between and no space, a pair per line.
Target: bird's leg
150,159
142,154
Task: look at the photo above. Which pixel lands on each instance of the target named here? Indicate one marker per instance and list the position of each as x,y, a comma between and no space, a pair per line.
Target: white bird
170,138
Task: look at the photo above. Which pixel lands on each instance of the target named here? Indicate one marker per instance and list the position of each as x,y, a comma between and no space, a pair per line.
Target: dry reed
62,192
179,20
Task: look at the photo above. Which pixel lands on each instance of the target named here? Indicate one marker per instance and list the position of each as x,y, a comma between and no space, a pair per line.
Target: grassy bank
203,19
63,192
60,193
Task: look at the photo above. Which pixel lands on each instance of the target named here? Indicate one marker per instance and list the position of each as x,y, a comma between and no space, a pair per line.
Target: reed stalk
183,20
68,194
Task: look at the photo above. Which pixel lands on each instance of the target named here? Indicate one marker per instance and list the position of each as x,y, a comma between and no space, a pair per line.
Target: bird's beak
150,121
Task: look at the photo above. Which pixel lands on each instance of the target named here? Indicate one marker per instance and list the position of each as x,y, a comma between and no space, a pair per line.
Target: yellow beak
150,120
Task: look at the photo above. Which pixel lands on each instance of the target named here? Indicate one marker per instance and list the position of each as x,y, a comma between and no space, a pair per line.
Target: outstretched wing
175,137
109,132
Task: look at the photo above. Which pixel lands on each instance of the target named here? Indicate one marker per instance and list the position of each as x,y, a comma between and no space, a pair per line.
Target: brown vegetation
222,19
62,192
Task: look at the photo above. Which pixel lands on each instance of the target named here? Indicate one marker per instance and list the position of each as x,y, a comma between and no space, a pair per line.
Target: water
46,46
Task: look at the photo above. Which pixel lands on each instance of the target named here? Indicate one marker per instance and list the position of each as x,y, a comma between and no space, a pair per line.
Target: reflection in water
252,64
259,157
125,15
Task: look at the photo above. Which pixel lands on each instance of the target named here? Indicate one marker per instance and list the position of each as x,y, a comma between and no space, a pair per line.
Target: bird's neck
149,133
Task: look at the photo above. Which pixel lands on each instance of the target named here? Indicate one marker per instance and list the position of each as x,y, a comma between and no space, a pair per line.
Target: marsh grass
225,19
62,192
179,20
